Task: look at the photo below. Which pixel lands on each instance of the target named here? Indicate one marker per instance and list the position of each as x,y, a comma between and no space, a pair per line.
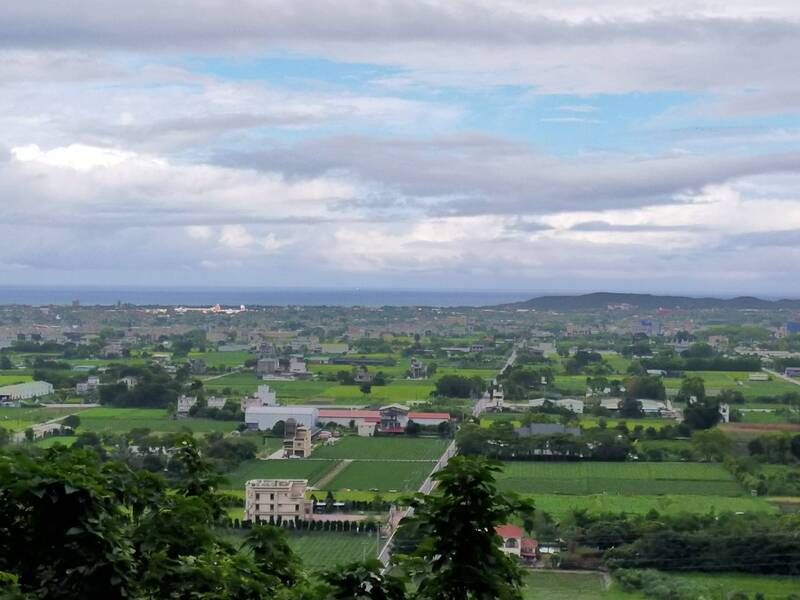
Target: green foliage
457,557
458,386
645,386
363,581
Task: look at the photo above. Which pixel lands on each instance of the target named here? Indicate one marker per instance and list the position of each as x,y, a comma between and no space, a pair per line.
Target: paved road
429,484
789,379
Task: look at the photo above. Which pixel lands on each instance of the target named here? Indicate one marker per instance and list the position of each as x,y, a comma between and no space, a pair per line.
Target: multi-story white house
285,498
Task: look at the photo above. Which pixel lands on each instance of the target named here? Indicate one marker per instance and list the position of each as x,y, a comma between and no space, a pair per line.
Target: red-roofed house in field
388,419
512,538
515,543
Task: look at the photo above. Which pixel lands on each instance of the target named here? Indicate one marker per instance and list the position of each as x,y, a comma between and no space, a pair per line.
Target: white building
185,403
216,402
129,381
264,396
297,366
285,498
27,390
264,418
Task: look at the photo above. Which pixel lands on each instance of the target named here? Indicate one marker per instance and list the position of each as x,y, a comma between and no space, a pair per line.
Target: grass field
122,420
383,448
396,391
724,585
579,478
552,585
655,423
222,359
310,469
559,505
17,419
736,380
320,550
400,476
49,442
11,379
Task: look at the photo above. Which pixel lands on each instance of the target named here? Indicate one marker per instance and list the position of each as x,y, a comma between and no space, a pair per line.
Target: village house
296,441
273,498
516,544
216,402
264,396
129,381
85,388
362,375
185,403
417,370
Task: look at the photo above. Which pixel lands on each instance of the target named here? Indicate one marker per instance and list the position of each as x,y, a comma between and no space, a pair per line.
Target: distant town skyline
511,145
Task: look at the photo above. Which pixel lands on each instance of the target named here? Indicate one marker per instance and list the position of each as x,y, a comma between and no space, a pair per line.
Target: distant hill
601,300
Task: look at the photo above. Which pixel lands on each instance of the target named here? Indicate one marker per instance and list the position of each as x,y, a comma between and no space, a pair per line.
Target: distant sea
41,296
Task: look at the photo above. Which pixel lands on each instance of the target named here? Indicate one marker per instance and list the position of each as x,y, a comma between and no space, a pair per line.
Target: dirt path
328,477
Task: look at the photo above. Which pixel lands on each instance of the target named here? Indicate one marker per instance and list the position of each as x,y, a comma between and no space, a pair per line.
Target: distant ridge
600,300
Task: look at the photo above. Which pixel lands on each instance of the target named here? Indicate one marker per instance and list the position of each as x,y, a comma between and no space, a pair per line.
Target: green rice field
50,441
309,468
322,550
122,420
552,585
736,380
11,379
560,505
400,476
384,448
652,478
222,359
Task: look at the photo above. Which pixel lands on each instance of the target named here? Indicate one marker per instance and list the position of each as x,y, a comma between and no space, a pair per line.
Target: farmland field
17,419
395,391
560,505
222,359
403,476
241,383
724,585
321,550
383,448
310,469
552,585
654,478
736,380
11,379
121,420
654,422
50,441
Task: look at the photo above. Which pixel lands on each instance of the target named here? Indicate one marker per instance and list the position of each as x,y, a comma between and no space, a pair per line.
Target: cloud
635,46
569,120
578,108
470,174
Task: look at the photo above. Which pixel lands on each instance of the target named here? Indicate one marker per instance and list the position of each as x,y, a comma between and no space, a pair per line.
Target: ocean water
42,296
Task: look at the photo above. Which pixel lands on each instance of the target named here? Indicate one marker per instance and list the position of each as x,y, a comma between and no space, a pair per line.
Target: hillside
601,300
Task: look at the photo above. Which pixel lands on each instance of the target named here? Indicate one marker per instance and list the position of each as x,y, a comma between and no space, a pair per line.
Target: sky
620,145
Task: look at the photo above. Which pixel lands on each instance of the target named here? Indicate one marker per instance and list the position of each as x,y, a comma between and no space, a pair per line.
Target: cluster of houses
393,418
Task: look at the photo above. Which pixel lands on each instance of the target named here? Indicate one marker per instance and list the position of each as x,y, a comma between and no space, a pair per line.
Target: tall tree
458,555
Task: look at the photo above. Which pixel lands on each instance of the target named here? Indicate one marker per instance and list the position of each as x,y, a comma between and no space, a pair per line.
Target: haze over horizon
644,147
